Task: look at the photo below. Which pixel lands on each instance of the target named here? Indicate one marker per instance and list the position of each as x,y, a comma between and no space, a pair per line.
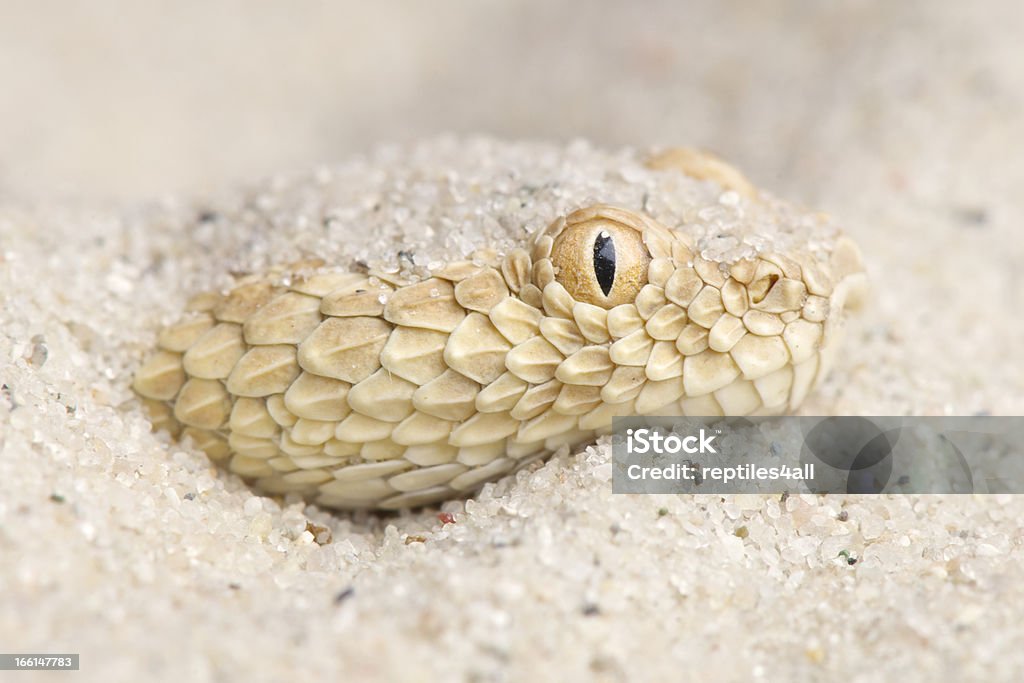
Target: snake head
370,388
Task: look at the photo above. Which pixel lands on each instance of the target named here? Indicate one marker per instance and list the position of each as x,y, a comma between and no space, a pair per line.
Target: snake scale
371,390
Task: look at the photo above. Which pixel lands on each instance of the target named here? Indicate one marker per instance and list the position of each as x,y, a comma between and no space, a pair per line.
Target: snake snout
852,284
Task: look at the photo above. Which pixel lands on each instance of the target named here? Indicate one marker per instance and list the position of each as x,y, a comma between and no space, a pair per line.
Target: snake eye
601,262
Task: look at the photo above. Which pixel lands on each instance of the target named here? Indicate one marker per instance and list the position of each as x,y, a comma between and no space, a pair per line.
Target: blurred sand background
904,119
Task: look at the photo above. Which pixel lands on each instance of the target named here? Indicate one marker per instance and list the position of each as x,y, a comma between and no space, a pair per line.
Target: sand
902,121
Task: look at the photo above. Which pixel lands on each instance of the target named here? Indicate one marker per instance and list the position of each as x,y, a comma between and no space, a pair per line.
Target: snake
360,388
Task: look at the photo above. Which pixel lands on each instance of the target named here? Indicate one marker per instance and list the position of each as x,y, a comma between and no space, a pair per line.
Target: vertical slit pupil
604,261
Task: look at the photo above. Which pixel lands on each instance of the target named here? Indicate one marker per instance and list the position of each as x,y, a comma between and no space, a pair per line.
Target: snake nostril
759,289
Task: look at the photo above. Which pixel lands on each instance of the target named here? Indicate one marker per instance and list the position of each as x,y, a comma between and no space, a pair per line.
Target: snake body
369,390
